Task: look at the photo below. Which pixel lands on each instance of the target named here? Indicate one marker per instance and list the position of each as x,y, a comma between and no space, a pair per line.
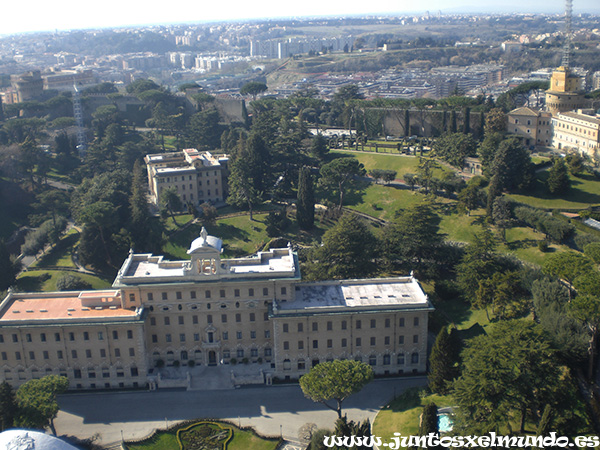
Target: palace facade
209,311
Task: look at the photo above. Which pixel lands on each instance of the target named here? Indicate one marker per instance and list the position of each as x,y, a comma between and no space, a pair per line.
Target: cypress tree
441,363
8,406
305,207
558,177
429,420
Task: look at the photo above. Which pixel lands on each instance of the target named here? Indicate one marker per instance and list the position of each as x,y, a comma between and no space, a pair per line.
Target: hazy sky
37,15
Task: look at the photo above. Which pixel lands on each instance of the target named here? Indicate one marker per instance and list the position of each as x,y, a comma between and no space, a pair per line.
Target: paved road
267,409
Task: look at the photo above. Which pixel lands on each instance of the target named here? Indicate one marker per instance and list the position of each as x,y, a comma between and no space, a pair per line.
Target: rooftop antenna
568,27
78,113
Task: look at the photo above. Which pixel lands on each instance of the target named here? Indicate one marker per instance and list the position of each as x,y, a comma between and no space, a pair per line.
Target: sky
43,15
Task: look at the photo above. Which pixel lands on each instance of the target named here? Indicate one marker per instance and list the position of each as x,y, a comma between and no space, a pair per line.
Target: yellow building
253,313
565,92
576,131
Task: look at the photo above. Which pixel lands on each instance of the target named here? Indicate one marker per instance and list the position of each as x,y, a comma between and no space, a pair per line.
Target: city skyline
65,15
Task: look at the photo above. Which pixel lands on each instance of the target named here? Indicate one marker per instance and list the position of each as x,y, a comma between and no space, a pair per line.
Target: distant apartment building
596,81
198,177
534,127
281,49
64,80
27,86
512,47
577,131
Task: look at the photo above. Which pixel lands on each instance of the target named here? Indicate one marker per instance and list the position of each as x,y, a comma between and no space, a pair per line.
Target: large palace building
208,311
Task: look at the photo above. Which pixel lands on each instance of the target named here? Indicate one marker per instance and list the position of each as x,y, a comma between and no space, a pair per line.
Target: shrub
191,363
176,363
159,363
245,361
70,282
233,361
543,245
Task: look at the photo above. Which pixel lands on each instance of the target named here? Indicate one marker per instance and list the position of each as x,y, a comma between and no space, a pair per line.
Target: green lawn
584,191
60,255
242,440
45,280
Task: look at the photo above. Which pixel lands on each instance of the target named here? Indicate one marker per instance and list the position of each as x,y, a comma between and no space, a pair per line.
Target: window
76,373
209,318
4,356
44,353
236,292
240,353
358,342
373,341
251,292
150,296
238,334
134,372
192,294
268,352
181,320
329,343
181,337
223,318
267,334
315,343
300,327
238,317
28,337
387,323
178,295
196,337
32,355
372,360
152,320
117,353
74,354
103,353
283,290
59,354
167,320
358,324
252,317
129,334
167,337
222,293
115,334
154,338
207,294
164,296
285,327
252,334
414,358
344,342
416,339
386,340
265,291
194,320
1,339
86,336
300,345
226,354
266,316
225,335
315,326
56,337
42,337
301,365
329,325
416,321
344,324
401,322
88,353
254,352
373,323
386,360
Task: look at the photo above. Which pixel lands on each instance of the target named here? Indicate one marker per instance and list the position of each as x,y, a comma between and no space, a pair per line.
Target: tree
170,202
37,402
502,215
470,198
244,177
443,362
592,250
479,262
429,420
204,131
454,148
586,308
305,206
567,265
340,175
209,214
558,177
335,380
70,282
508,374
9,268
100,217
347,251
140,213
253,88
413,241
319,147
8,406
495,121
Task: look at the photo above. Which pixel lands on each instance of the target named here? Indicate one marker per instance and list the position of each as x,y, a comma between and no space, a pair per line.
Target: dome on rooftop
31,440
205,242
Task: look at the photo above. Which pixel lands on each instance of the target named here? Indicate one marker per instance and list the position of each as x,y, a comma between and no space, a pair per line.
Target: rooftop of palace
370,294
91,306
206,265
188,159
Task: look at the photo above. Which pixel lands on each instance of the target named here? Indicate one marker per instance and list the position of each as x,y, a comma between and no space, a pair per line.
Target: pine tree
441,363
140,214
8,406
8,267
558,177
429,420
305,207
